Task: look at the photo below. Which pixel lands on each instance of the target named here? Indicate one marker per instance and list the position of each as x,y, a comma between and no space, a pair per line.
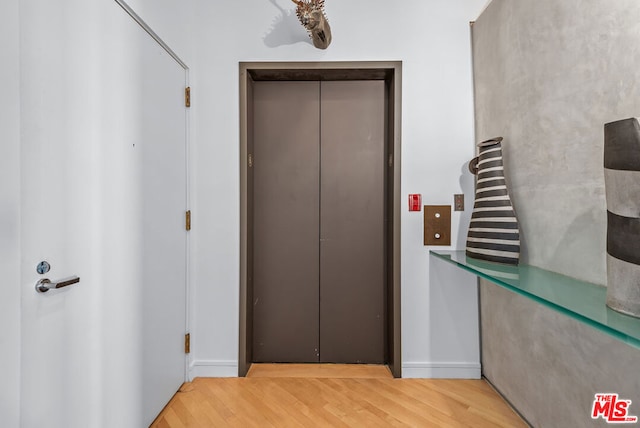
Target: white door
104,193
163,179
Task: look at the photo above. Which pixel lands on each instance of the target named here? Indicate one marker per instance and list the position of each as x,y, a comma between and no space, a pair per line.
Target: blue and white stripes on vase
494,233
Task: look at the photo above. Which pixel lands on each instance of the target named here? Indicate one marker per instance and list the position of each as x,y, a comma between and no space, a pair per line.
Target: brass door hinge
187,96
187,343
250,160
188,220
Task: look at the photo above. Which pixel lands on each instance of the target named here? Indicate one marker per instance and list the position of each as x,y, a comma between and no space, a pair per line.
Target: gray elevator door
319,231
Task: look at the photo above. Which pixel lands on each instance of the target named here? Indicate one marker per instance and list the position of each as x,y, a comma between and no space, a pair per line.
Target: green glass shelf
580,300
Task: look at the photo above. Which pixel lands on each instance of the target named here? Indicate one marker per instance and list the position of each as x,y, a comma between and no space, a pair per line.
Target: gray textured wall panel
548,76
550,366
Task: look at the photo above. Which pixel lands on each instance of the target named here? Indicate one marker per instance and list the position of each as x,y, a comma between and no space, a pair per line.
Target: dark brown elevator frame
391,73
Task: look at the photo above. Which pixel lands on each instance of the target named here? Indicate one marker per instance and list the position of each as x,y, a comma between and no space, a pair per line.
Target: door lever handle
44,285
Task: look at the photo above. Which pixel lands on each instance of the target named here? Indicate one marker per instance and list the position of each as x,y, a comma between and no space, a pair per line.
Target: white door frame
182,64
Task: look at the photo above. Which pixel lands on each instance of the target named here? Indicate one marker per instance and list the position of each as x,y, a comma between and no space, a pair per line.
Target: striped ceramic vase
622,186
494,234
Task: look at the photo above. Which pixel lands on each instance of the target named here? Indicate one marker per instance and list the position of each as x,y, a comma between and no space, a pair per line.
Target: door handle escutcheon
44,285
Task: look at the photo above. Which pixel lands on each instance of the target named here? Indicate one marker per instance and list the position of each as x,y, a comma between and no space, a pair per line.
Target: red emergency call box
415,202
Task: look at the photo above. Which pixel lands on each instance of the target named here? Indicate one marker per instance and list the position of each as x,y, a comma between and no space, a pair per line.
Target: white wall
9,214
430,37
453,329
172,20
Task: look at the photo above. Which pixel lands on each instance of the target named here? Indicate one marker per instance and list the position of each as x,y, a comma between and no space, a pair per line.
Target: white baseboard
213,368
442,370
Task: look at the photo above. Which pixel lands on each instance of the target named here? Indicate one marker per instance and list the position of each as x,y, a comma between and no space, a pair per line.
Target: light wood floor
305,395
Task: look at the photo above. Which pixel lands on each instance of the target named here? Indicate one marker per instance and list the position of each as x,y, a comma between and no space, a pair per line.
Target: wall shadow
467,185
285,29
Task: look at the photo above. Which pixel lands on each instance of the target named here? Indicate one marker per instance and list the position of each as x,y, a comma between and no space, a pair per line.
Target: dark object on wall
494,234
622,186
437,225
311,15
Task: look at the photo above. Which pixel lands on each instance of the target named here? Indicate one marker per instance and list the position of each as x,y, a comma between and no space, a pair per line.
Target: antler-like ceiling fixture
312,17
